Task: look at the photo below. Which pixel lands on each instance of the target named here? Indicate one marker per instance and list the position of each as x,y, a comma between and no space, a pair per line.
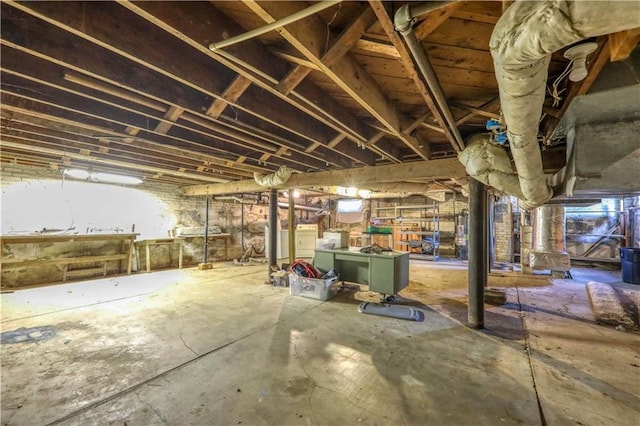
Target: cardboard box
339,239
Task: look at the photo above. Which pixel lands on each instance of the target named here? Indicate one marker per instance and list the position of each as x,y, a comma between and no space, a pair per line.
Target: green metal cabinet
387,272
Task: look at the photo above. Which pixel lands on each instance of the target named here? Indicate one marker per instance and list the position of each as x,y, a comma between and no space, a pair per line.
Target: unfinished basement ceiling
133,88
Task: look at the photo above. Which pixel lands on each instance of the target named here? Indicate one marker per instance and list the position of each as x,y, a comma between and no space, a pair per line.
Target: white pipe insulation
275,179
521,45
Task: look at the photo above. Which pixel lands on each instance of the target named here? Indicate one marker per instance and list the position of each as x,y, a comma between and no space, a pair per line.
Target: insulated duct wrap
490,164
549,250
521,45
274,179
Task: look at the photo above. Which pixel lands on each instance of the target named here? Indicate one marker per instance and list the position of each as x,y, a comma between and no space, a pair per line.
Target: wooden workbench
126,255
157,242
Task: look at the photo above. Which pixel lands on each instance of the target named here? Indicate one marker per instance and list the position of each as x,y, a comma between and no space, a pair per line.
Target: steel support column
477,252
273,229
292,227
206,232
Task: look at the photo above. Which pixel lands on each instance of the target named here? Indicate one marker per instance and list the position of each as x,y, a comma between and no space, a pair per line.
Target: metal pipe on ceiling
403,21
299,207
322,5
236,199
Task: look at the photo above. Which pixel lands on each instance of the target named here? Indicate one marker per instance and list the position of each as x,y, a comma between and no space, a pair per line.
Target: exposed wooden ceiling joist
308,38
406,60
147,49
310,99
136,82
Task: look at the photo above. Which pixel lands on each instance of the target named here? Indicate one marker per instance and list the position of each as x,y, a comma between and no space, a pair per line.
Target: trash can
630,262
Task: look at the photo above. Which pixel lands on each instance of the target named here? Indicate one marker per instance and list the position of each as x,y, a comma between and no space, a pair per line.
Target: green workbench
386,273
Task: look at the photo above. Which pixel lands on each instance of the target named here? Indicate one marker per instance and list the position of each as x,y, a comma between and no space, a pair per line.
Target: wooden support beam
487,105
200,24
138,151
38,49
621,44
312,147
293,78
435,169
432,127
377,46
230,95
506,4
217,130
111,90
407,61
71,105
340,47
148,48
308,37
433,20
295,59
335,141
51,118
424,144
478,111
171,116
124,164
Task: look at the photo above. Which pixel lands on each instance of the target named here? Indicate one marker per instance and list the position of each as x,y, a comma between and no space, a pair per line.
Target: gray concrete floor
221,347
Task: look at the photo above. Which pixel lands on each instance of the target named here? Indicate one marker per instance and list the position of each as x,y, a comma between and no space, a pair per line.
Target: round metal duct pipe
549,234
549,240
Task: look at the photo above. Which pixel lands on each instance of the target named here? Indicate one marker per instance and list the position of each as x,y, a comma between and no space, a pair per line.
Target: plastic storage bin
313,288
372,229
630,262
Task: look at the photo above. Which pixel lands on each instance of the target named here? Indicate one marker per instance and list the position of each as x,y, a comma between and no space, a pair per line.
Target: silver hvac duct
549,249
521,45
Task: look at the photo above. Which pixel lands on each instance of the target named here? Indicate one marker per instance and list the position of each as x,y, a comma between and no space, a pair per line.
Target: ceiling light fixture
102,177
578,55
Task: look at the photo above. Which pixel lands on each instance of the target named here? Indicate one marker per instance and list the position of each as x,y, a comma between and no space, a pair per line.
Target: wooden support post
148,256
130,255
